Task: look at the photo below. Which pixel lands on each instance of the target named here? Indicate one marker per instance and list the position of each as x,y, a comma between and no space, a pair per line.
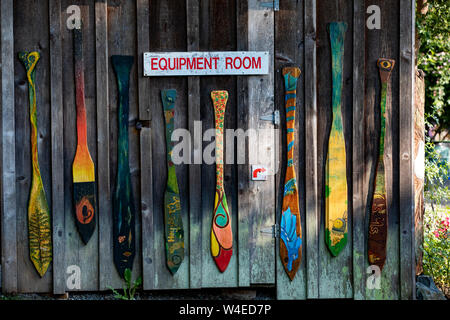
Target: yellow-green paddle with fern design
39,228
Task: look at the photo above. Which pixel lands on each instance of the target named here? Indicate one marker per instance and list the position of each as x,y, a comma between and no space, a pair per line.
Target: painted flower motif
289,236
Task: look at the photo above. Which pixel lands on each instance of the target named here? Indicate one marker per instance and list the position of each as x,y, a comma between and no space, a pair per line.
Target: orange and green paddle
83,167
290,227
39,227
221,232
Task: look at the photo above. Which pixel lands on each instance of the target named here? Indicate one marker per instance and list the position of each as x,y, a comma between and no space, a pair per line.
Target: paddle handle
79,87
219,99
168,98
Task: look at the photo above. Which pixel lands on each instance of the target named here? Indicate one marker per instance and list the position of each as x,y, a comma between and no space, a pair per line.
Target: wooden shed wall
296,34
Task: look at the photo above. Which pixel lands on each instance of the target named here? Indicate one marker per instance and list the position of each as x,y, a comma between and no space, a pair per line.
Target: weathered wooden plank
76,251
381,43
32,36
419,167
168,33
290,50
195,169
122,41
376,244
57,132
262,152
218,25
144,98
312,214
8,160
244,169
406,149
334,272
103,140
359,225
290,225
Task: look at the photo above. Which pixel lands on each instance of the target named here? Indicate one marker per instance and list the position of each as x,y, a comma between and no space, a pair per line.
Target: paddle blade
174,233
84,197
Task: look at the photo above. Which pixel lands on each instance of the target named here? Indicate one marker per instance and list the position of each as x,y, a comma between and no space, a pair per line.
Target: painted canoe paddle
221,232
378,226
123,205
173,223
290,227
336,166
39,227
83,169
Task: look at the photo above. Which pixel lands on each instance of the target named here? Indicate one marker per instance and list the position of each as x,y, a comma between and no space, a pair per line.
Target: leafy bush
436,258
433,30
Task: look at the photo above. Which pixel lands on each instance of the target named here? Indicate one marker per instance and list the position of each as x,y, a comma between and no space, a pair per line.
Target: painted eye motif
385,64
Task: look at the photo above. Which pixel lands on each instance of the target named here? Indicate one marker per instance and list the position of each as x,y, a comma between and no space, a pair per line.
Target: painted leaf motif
289,236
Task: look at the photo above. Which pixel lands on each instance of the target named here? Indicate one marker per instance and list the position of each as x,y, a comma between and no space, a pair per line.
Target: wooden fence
294,34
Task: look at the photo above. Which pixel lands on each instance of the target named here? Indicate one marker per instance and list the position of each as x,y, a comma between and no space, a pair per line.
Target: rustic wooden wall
294,35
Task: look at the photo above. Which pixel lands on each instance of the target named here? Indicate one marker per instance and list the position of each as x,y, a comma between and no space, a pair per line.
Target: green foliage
129,290
436,172
436,247
434,59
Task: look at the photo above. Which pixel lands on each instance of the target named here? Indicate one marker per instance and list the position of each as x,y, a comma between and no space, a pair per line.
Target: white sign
157,64
259,173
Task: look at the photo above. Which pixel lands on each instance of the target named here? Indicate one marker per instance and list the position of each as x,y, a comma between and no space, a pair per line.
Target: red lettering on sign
249,63
154,64
228,62
200,63
256,64
161,67
208,63
182,63
215,62
240,63
191,63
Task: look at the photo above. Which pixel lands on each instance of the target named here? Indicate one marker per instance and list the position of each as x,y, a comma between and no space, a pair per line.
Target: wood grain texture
76,250
57,133
419,170
378,227
382,44
195,169
290,226
334,272
406,151
262,151
8,159
173,223
243,169
168,33
359,217
145,149
39,220
290,49
121,36
218,33
312,212
31,36
105,264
